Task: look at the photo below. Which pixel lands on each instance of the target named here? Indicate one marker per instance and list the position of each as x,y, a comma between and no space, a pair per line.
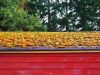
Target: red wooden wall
50,64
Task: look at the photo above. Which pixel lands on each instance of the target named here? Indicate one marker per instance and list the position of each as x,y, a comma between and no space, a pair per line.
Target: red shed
53,59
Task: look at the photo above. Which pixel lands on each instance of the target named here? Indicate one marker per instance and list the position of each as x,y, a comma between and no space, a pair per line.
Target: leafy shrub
15,18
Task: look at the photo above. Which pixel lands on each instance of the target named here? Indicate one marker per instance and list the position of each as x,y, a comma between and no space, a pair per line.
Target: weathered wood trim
86,51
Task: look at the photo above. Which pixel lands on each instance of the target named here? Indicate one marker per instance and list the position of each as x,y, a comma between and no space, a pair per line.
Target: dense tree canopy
55,15
13,17
68,15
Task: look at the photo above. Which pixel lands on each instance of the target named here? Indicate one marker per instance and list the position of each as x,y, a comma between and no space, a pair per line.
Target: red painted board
50,64
51,72
74,59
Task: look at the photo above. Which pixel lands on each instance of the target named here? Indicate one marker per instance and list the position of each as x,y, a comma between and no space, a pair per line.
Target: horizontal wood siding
50,64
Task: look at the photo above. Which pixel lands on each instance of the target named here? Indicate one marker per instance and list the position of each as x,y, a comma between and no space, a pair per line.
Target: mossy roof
49,40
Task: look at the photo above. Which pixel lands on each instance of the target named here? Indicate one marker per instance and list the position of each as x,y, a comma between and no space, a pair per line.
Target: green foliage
55,15
68,15
15,18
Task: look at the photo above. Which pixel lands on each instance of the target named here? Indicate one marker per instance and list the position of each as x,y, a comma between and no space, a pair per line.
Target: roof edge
51,49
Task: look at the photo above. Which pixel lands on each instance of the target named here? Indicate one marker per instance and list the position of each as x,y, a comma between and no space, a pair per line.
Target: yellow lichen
49,39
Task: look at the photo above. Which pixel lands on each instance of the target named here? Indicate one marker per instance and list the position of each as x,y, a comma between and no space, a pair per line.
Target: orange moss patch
49,39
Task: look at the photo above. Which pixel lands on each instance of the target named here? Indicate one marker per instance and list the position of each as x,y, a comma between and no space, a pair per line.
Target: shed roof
49,41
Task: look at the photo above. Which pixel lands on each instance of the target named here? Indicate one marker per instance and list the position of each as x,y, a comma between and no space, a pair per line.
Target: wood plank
67,59
49,65
42,51
51,72
49,54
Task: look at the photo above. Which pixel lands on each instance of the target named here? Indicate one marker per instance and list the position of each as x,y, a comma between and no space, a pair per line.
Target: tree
66,15
16,18
44,9
88,14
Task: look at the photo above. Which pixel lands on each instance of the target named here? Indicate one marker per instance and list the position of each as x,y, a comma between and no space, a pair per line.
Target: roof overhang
50,50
